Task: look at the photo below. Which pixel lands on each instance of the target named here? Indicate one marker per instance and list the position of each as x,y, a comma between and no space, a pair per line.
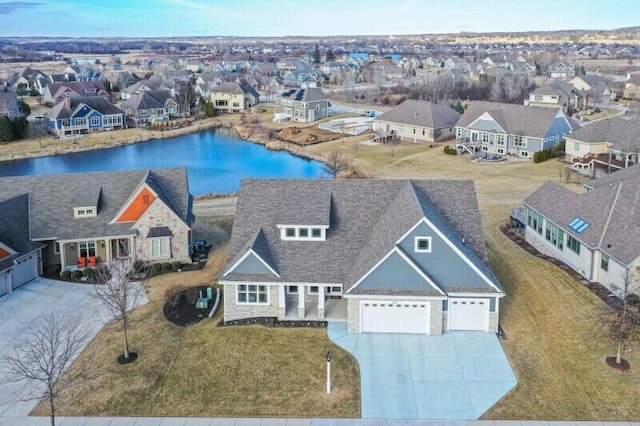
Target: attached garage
3,283
394,317
468,314
24,271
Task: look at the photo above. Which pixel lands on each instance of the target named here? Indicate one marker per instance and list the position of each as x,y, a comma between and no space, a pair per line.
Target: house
151,106
82,115
233,97
56,92
156,82
632,87
392,256
418,121
126,215
497,129
457,63
525,67
31,78
557,95
83,73
304,105
611,144
594,88
20,257
9,105
561,70
595,233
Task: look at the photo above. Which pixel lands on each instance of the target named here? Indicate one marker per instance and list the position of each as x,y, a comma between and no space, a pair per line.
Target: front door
120,248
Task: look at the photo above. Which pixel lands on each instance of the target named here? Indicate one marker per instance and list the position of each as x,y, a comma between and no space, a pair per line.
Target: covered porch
82,253
312,302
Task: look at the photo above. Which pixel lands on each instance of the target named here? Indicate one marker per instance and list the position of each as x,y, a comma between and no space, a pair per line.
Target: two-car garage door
24,271
394,317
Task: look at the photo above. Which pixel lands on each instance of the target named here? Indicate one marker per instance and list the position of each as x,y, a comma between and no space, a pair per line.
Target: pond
216,161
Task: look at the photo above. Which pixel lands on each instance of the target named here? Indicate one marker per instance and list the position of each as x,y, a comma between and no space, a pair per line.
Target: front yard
555,341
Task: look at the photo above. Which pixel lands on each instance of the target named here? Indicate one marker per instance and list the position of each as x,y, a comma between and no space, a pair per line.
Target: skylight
578,225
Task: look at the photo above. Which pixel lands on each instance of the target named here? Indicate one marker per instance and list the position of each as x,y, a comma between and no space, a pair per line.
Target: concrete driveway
458,375
21,308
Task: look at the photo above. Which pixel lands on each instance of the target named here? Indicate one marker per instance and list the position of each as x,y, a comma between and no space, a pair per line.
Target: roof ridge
613,205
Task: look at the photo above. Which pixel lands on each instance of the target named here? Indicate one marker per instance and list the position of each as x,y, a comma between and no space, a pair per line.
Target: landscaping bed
273,322
181,309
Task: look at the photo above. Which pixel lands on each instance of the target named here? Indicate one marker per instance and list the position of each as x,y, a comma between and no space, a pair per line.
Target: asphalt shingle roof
514,119
367,218
62,111
621,133
421,113
14,228
53,197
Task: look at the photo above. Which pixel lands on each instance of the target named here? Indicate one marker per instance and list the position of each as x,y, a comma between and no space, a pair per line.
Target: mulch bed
602,292
273,322
623,366
181,309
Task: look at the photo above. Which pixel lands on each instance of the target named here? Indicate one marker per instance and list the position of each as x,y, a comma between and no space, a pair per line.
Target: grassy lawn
205,370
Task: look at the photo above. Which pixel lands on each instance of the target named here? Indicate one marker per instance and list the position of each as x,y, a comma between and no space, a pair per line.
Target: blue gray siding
558,127
394,273
252,265
443,264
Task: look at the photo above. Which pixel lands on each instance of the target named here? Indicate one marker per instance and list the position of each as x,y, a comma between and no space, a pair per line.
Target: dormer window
290,232
303,233
84,212
423,245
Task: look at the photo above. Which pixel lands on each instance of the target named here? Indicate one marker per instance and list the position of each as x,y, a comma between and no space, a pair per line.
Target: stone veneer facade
158,214
234,311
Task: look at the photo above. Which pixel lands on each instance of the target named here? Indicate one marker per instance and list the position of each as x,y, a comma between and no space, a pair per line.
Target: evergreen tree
329,55
24,108
19,128
458,107
209,109
316,55
6,131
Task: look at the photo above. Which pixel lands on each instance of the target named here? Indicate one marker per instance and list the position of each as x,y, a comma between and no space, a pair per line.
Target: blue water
216,161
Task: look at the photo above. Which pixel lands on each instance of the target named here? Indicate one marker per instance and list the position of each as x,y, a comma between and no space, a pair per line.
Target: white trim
394,297
467,300
7,248
313,292
407,260
244,256
130,200
416,246
288,289
161,256
227,282
268,302
468,294
484,116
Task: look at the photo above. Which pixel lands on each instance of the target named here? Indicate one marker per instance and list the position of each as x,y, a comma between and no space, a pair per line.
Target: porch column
62,256
109,255
133,251
321,296
301,302
282,303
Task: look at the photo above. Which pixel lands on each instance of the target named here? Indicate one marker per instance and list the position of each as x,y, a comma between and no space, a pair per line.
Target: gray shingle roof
619,132
62,111
305,95
7,102
514,119
367,218
14,228
148,99
52,200
617,235
421,113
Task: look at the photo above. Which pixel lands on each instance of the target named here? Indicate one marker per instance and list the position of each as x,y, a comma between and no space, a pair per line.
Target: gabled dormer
85,203
138,203
305,216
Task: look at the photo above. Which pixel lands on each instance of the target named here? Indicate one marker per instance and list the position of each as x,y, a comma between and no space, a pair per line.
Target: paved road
20,309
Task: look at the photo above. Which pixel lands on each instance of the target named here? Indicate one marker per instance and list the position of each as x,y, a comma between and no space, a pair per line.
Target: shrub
137,265
157,267
53,268
633,300
544,155
76,274
88,273
65,275
166,267
176,265
450,151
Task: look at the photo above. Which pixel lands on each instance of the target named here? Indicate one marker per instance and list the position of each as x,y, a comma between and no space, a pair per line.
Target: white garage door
469,314
24,271
3,283
394,317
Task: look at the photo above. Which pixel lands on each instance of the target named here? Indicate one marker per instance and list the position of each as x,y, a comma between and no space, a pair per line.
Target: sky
273,18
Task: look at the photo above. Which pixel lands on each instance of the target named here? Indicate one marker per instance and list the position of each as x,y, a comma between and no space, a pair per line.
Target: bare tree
43,354
336,162
116,290
624,323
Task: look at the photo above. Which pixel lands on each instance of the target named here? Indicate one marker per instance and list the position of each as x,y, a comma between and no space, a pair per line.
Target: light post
328,371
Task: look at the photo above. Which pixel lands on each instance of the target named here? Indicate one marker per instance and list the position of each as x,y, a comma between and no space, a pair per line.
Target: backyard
555,341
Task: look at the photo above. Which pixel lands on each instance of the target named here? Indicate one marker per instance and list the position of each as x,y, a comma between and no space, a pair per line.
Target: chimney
67,102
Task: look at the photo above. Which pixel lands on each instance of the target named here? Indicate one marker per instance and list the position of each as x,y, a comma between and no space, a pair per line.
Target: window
292,289
314,289
318,107
56,248
303,232
221,103
500,139
573,244
485,148
159,247
524,154
401,128
538,98
604,262
535,220
576,146
251,293
500,151
554,235
316,233
414,130
485,137
290,232
423,245
87,248
474,137
458,132
95,121
520,141
84,212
